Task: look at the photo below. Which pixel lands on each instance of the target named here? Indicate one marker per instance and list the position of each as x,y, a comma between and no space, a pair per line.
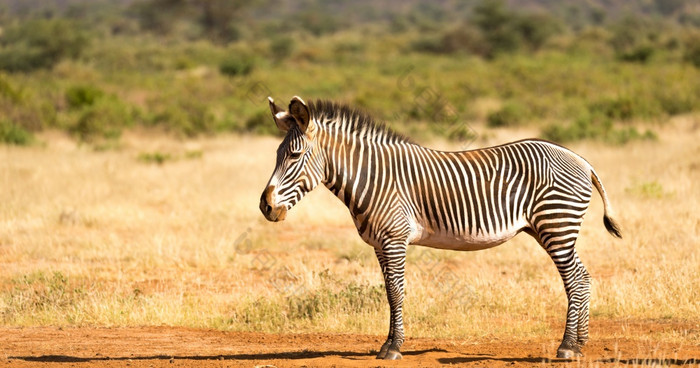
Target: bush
187,116
236,65
461,39
40,43
594,128
9,92
582,128
498,26
261,123
27,112
511,114
281,48
620,108
80,96
11,133
692,50
675,102
634,39
638,54
536,29
104,120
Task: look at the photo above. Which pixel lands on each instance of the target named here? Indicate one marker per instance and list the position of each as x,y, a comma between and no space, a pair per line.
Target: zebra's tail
610,224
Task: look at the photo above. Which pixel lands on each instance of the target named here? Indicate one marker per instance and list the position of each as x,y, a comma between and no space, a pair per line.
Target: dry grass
108,238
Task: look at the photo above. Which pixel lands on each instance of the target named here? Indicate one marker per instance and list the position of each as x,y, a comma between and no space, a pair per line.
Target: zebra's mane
343,117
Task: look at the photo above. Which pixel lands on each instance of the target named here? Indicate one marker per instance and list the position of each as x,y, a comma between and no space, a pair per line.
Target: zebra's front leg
392,259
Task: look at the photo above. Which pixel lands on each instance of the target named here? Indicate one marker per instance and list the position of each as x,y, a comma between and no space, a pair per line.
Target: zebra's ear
283,120
300,112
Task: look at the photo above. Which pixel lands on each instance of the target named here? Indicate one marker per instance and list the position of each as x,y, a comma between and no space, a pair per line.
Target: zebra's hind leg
392,260
585,303
560,247
577,285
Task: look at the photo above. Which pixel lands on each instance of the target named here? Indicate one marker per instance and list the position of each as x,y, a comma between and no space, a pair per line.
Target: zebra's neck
355,158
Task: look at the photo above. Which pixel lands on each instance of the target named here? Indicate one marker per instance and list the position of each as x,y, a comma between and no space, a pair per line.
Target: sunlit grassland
112,239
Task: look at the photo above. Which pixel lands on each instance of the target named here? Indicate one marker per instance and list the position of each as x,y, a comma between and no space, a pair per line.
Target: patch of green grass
38,292
155,157
648,189
194,154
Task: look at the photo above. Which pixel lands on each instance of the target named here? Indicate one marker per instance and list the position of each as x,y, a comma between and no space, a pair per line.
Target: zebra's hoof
383,350
393,355
565,353
568,350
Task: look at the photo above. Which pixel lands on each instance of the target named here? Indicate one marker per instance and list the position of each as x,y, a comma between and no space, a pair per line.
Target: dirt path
185,347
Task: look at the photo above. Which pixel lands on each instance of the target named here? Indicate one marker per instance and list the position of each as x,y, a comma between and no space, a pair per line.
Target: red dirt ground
186,347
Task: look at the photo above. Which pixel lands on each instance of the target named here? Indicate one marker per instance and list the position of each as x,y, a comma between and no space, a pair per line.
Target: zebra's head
299,168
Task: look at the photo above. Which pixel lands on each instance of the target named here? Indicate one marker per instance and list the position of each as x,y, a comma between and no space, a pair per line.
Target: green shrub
20,106
11,133
429,43
511,114
634,39
579,130
674,102
236,65
460,39
80,96
9,92
281,47
186,116
261,123
638,54
629,134
692,50
536,29
103,120
40,43
594,128
620,108
498,26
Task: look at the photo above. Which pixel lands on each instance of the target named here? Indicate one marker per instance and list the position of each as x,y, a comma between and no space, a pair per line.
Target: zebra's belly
468,242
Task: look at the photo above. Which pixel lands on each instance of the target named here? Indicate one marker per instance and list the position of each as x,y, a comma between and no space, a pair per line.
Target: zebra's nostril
268,208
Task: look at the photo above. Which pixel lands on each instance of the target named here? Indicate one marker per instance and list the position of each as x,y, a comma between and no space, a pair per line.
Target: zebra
401,193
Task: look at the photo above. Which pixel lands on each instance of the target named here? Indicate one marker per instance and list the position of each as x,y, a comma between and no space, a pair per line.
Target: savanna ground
120,257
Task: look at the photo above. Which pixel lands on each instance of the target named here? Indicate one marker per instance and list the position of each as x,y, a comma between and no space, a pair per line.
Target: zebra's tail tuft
612,226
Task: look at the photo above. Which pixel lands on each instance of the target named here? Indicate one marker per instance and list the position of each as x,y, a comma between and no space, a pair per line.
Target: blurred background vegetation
609,70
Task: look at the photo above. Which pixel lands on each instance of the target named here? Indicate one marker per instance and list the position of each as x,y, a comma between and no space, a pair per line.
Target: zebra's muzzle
268,208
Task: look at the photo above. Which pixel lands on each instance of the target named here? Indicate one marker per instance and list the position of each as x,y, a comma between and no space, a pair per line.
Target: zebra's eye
295,155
